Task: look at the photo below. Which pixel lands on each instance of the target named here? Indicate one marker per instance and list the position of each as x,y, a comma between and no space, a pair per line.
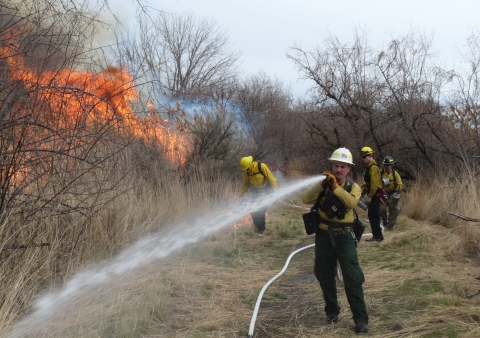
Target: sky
265,30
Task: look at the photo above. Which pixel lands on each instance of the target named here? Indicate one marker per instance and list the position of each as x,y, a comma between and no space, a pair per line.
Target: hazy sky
264,30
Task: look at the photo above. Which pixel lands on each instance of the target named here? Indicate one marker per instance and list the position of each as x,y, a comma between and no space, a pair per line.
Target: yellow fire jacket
375,178
350,200
253,177
395,182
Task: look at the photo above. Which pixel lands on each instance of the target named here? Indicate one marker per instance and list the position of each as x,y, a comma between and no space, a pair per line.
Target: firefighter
373,189
334,242
390,210
258,176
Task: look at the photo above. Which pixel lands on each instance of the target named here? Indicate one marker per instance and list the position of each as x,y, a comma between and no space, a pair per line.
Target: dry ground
417,285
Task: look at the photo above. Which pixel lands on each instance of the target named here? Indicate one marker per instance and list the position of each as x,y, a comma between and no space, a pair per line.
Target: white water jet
155,246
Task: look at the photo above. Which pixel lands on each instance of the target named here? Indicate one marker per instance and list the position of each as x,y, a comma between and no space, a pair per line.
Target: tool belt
337,232
334,228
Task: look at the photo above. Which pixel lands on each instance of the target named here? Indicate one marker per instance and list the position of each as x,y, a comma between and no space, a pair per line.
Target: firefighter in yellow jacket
258,176
393,192
373,188
337,197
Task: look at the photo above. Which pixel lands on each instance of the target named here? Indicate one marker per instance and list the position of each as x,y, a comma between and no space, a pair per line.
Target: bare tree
185,55
210,133
65,130
196,53
388,99
262,103
463,100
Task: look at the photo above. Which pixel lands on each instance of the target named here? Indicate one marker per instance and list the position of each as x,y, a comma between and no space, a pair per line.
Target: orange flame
69,98
244,221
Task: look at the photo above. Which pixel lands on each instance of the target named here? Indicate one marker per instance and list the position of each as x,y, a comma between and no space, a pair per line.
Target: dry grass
422,281
418,284
26,273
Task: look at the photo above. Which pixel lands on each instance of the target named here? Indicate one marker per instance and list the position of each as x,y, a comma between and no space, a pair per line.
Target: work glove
331,180
382,196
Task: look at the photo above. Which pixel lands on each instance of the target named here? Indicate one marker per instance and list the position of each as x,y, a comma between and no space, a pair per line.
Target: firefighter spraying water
337,197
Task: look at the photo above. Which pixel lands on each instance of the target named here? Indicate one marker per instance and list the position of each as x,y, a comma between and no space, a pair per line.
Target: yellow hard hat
366,151
342,155
245,162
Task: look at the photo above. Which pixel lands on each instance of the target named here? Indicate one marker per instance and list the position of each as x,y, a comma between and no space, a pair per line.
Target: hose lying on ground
259,299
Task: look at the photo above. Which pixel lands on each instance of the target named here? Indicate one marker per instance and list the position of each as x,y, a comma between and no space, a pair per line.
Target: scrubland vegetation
102,146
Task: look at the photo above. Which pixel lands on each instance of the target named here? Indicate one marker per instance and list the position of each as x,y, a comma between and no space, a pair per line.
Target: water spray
156,246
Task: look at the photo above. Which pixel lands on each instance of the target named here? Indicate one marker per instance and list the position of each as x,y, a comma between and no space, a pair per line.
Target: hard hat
388,160
366,151
245,162
342,155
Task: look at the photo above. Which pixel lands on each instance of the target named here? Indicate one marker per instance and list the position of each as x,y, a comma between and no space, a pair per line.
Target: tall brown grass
76,241
163,198
434,196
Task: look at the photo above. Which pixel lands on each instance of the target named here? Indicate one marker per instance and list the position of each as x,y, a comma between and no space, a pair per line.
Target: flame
244,221
67,99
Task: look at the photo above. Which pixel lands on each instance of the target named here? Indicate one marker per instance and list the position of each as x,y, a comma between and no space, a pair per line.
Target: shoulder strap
348,188
260,168
259,165
348,185
355,214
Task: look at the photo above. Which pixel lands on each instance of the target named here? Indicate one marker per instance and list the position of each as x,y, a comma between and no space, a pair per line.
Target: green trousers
326,257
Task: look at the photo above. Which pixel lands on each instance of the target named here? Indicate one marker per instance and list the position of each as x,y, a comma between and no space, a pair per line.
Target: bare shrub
387,99
64,135
182,54
268,118
210,133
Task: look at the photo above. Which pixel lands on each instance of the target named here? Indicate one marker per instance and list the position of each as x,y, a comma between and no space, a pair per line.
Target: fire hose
259,299
260,295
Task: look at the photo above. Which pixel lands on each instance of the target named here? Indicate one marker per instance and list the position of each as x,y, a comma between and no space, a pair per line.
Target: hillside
416,286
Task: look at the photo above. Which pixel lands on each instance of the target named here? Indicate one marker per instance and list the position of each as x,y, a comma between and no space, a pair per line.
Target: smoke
147,249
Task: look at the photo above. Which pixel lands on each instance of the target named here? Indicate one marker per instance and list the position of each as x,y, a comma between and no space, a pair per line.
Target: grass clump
422,281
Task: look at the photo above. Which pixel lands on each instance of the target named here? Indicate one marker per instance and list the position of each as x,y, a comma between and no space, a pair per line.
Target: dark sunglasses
387,165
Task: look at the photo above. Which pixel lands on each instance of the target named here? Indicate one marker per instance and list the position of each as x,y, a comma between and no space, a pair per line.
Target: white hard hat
342,155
